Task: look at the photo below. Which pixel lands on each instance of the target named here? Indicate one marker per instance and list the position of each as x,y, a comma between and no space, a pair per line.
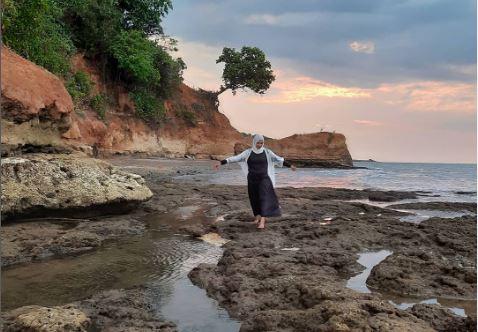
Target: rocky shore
290,277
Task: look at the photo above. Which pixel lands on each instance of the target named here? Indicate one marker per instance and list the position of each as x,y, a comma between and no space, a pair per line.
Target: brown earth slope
36,107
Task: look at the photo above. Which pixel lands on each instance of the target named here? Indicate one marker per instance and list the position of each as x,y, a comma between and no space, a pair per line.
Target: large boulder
56,184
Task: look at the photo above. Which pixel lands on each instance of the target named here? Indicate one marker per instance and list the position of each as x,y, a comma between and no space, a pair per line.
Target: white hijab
257,138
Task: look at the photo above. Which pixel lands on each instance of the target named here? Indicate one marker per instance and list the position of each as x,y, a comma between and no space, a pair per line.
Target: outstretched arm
234,159
237,158
279,161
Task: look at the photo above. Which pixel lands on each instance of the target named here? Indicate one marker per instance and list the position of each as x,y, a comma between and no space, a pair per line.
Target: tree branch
221,90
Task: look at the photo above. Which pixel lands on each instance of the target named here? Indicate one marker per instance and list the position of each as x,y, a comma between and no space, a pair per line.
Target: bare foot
262,223
256,221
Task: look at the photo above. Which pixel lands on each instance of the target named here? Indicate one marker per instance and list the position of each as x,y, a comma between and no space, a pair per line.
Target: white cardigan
272,160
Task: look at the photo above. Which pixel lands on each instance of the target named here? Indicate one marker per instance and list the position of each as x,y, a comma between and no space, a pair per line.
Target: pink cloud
421,96
369,123
290,88
430,96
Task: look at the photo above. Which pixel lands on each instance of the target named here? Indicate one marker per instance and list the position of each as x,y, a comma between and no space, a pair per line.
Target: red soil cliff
35,104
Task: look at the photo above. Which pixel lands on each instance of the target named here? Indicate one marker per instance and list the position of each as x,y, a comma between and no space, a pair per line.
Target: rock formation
309,150
56,319
67,184
113,310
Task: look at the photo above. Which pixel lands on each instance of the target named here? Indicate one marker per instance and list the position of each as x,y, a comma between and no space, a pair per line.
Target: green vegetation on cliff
34,29
119,35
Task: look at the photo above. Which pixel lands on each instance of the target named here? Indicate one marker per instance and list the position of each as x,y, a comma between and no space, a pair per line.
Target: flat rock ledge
40,185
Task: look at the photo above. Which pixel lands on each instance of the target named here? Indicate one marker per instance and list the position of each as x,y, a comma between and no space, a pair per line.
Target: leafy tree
171,71
33,29
245,69
93,23
136,56
144,15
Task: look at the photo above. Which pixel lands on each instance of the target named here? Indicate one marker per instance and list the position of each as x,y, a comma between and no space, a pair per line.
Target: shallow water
421,215
370,259
411,302
436,179
158,259
416,215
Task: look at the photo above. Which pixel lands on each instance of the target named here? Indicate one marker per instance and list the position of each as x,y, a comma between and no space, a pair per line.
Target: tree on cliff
248,68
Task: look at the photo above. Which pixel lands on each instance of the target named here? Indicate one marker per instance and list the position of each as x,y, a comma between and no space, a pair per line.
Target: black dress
262,195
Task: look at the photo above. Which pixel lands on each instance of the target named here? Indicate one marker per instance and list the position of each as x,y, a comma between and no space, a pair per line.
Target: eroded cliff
39,112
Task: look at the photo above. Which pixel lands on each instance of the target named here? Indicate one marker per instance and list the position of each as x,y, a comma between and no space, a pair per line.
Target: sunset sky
396,77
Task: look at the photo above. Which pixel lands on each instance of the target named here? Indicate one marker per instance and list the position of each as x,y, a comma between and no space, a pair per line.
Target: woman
258,165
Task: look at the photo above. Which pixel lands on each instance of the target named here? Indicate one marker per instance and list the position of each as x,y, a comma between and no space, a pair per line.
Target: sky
396,77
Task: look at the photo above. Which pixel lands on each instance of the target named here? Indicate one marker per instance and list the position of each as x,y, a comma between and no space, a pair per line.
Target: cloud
369,123
411,40
286,20
421,96
465,70
290,88
261,19
430,96
363,47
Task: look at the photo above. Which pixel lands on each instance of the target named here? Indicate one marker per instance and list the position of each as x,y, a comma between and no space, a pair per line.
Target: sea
439,181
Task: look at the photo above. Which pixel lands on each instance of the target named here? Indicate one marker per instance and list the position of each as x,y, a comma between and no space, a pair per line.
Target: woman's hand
216,166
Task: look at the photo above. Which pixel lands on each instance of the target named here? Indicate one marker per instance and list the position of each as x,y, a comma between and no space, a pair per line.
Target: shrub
79,86
189,117
148,107
136,55
99,104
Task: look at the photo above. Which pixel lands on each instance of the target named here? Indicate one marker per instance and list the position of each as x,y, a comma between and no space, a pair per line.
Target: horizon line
415,162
